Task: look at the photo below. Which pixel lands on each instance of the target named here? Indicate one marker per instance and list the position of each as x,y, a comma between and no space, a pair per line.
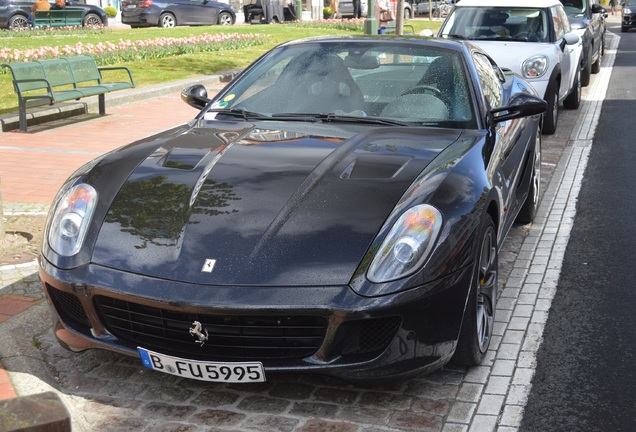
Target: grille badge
196,330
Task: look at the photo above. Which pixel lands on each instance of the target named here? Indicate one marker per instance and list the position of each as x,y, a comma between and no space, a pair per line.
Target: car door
511,137
570,54
195,12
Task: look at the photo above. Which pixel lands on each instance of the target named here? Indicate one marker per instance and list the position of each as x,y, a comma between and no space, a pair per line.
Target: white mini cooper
532,38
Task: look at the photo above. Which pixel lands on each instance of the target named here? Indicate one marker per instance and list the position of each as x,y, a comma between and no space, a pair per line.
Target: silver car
345,9
530,37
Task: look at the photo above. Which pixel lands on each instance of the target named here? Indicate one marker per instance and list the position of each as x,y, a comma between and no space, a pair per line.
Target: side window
564,19
489,79
559,22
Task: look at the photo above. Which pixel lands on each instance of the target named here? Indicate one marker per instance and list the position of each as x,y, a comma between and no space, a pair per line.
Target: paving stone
270,423
317,425
421,422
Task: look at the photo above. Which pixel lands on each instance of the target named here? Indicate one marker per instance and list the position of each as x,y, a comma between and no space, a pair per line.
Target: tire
624,29
551,116
226,19
586,71
167,20
407,14
596,66
18,22
479,317
531,205
574,98
91,19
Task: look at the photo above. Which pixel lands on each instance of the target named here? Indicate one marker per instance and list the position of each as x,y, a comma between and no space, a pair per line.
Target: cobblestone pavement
109,392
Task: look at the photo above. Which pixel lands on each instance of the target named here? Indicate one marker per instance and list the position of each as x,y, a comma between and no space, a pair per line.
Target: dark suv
14,14
587,19
628,15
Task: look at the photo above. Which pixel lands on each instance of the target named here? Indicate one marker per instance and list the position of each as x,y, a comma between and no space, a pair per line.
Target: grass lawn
155,71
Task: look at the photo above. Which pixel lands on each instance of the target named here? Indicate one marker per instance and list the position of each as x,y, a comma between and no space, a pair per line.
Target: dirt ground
22,238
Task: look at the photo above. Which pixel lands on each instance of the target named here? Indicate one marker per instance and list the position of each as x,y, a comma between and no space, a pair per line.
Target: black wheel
18,22
167,20
624,29
479,317
531,205
226,19
574,98
586,71
551,116
92,20
407,14
596,66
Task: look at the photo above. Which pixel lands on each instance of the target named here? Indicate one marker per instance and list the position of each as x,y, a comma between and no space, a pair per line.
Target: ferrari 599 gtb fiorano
338,208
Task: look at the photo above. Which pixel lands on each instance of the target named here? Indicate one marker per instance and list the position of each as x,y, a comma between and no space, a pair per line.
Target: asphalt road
585,379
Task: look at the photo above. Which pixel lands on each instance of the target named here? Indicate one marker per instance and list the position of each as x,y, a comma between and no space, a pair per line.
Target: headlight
535,66
408,244
71,219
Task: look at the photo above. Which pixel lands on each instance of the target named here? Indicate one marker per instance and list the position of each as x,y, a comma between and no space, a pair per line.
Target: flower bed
108,53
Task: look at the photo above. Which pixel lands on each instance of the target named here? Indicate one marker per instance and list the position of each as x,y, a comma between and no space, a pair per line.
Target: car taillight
144,3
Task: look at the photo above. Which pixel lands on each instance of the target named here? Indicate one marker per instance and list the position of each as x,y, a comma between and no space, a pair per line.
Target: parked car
438,9
172,13
587,19
345,9
532,38
628,15
14,14
337,208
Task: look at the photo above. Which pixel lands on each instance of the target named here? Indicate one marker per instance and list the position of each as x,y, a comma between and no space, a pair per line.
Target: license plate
231,372
131,7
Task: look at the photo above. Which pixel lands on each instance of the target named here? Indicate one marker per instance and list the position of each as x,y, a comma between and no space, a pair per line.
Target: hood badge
196,330
208,265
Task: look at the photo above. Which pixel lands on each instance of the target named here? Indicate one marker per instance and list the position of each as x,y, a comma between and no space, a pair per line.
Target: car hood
511,55
260,206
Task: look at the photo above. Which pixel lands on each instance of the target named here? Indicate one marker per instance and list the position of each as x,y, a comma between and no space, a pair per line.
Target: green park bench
58,18
47,82
407,29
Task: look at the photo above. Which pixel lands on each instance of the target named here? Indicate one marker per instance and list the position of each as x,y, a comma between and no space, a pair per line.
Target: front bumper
628,20
328,330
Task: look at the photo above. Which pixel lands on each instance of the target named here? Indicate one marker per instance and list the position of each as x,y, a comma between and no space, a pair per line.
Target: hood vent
374,167
183,158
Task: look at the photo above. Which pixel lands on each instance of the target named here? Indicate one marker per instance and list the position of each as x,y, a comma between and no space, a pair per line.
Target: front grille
69,307
229,336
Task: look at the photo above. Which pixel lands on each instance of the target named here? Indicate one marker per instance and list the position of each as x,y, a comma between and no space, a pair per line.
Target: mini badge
208,266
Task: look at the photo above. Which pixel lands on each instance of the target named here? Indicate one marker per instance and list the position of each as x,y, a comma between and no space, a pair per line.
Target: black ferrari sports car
337,208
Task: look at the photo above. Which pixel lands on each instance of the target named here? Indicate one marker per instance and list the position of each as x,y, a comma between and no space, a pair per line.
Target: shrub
111,12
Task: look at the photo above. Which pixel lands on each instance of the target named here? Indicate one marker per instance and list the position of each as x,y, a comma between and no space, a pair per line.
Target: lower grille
69,307
364,339
229,337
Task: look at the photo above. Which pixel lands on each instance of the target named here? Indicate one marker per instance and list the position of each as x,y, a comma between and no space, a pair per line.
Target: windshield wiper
245,115
331,117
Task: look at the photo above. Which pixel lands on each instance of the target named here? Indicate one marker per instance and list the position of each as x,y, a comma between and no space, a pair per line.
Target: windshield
494,23
365,81
574,7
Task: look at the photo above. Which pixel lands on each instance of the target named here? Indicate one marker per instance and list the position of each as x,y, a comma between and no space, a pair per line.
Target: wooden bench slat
58,18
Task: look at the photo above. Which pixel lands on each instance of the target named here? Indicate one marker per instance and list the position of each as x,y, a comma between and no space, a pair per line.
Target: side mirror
196,96
521,105
571,38
598,9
